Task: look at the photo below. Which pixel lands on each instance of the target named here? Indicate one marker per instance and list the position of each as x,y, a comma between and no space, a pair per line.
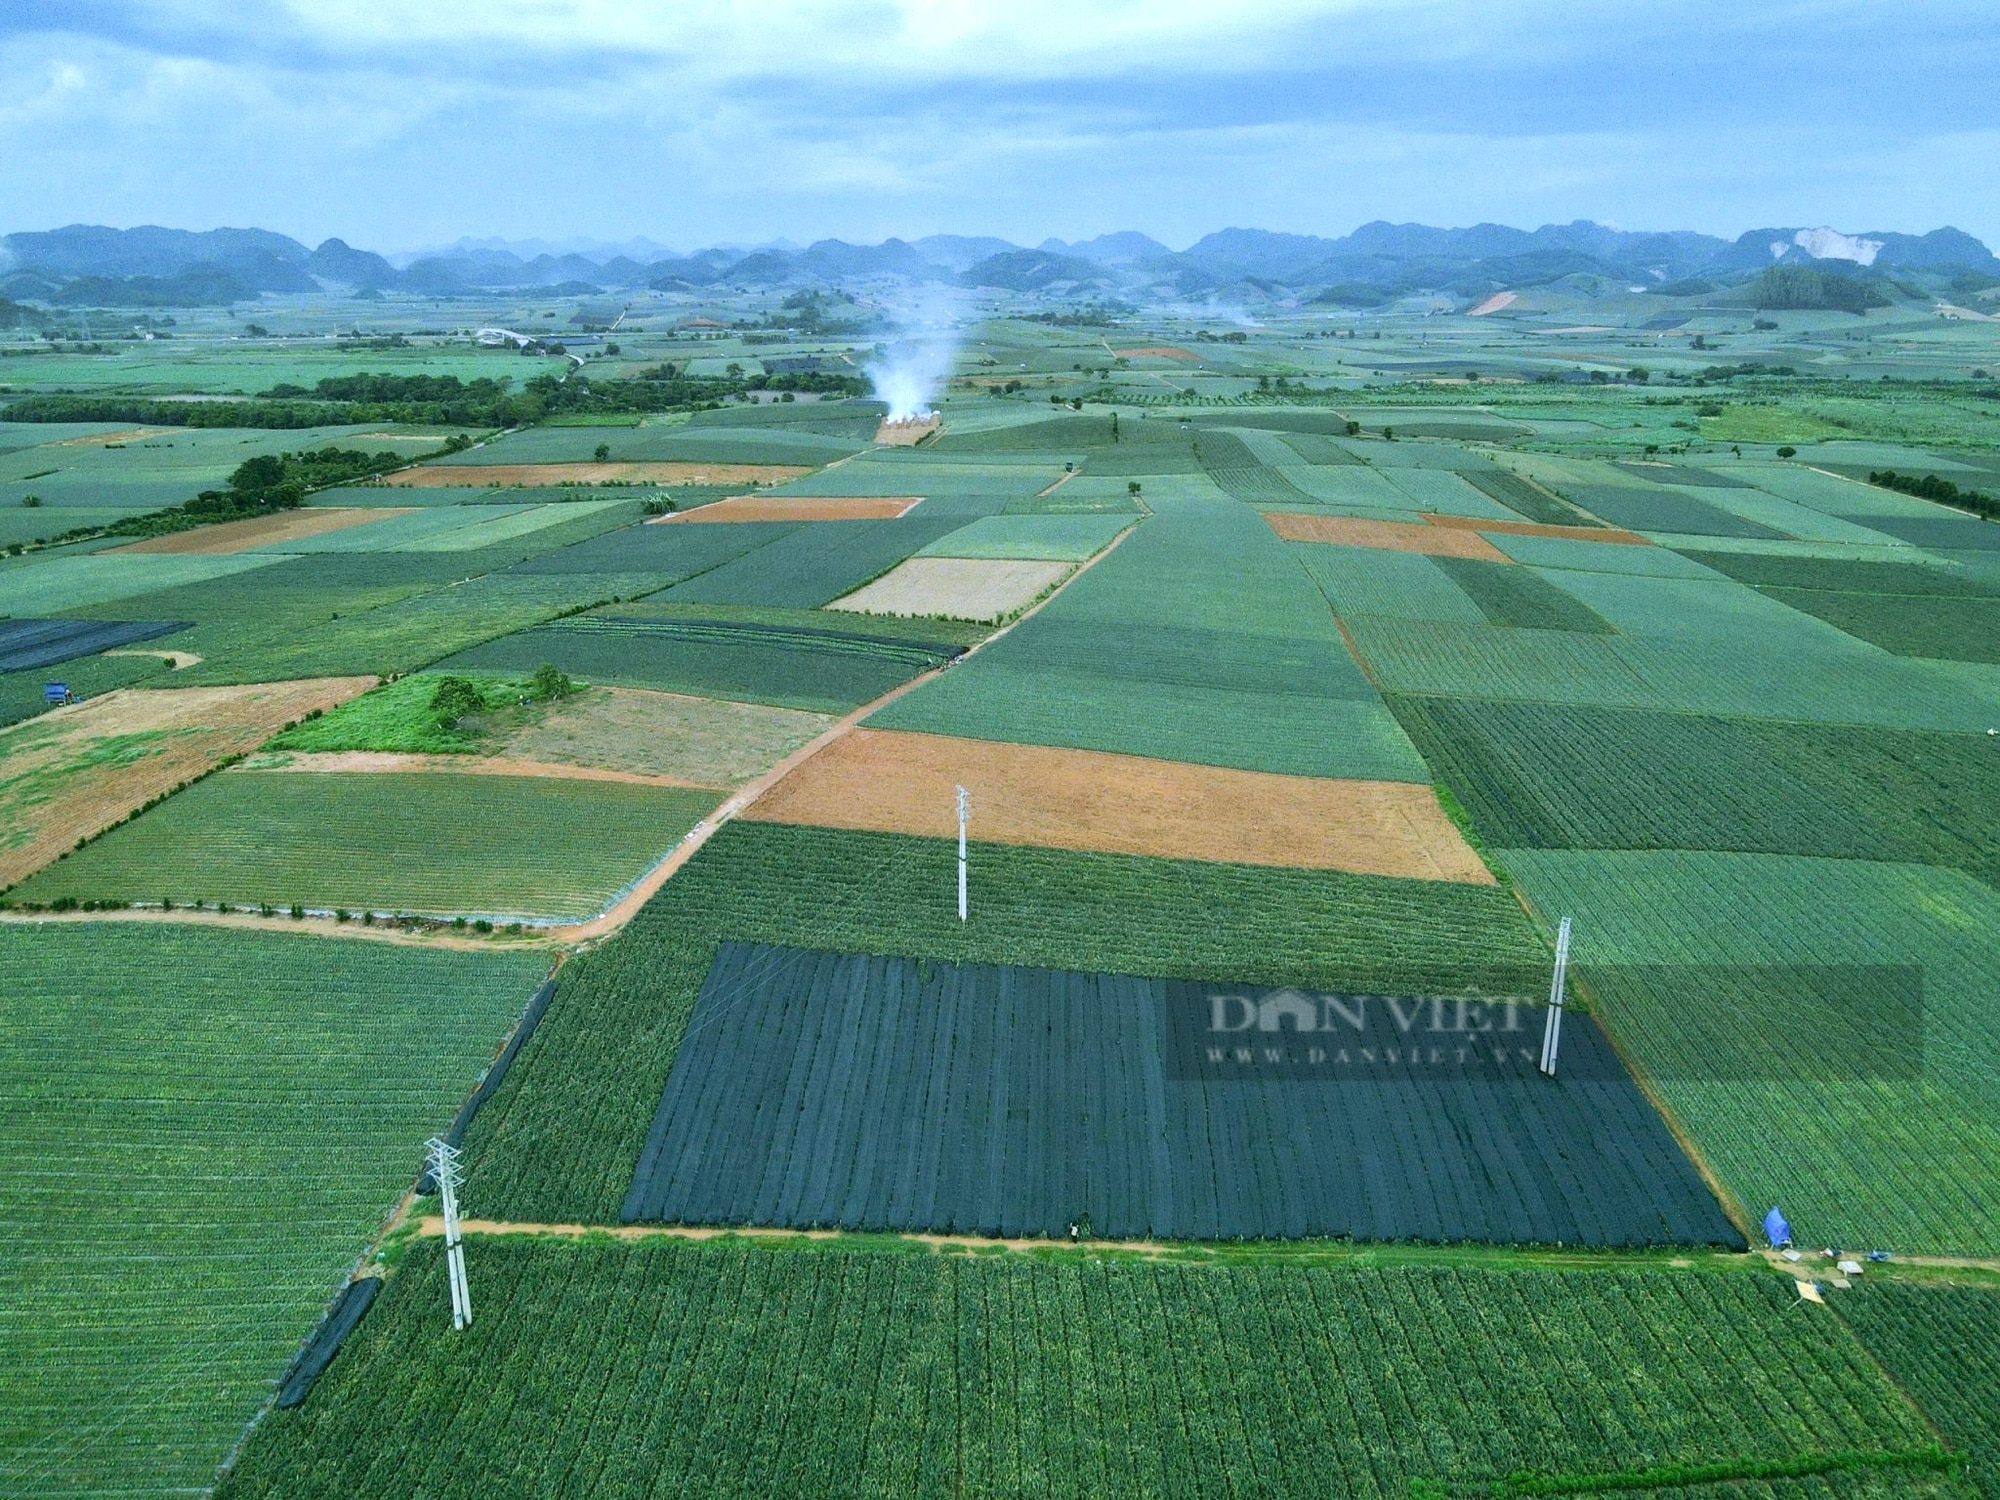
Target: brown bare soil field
1159,351
439,476
797,508
1493,304
72,772
1536,528
1393,536
896,782
263,531
962,588
99,439
907,434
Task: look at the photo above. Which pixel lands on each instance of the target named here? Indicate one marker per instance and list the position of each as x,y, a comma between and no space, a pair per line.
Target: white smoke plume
912,369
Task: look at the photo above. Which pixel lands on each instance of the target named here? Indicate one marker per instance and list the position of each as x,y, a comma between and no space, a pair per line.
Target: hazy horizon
594,120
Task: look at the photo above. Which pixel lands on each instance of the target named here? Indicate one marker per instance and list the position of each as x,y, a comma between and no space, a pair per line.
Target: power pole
964,807
1552,1027
445,1168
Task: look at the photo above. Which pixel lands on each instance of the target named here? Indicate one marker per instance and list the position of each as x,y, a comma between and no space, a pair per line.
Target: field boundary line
1357,1253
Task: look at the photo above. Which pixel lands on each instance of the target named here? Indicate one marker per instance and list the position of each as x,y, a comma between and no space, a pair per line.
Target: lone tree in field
550,684
603,451
454,699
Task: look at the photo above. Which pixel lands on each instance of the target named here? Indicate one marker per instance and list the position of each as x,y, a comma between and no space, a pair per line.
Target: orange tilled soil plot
1394,536
263,531
895,782
907,434
73,772
441,476
1536,528
799,508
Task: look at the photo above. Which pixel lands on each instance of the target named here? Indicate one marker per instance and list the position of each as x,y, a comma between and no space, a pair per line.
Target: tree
602,451
455,698
550,684
1788,452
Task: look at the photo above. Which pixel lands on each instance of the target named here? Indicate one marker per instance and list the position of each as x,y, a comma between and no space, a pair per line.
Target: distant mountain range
91,266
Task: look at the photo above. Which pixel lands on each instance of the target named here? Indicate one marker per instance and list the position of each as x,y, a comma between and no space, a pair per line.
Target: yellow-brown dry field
74,771
443,476
1393,536
102,439
1160,351
796,508
961,588
264,531
907,434
1536,528
895,782
1494,303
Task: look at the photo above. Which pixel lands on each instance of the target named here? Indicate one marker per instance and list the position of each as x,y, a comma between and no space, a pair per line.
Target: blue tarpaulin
1776,1230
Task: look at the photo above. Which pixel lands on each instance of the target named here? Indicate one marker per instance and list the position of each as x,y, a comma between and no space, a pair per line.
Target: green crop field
200,1131
1902,1145
399,716
668,1369
786,658
1061,538
434,842
1536,775
1943,1346
1510,595
1138,657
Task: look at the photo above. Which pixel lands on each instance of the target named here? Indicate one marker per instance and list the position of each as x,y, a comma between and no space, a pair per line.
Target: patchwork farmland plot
1143,655
960,588
810,567
926,1374
1012,1101
199,1132
703,740
587,1085
70,774
826,668
433,842
1537,775
1055,538
1943,1346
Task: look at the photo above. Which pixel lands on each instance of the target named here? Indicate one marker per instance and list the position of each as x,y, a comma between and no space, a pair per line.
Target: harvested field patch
73,772
900,782
907,434
262,531
706,741
1535,528
996,1099
129,435
1048,538
1159,351
1493,304
1394,536
740,508
596,473
959,588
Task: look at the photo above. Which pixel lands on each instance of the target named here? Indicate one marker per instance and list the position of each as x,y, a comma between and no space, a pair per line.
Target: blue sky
693,122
